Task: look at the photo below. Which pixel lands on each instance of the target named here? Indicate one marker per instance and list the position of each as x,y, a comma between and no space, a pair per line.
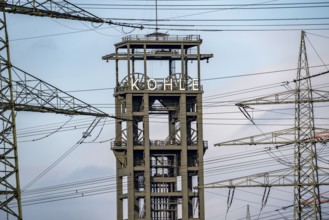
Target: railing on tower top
162,37
158,143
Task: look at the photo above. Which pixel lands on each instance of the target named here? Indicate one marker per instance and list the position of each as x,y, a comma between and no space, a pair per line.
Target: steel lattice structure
9,179
305,163
20,91
305,175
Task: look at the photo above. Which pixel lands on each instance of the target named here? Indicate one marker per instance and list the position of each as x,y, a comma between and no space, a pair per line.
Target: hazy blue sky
67,54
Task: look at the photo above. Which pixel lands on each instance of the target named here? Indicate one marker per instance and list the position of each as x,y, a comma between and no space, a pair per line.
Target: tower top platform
159,46
159,40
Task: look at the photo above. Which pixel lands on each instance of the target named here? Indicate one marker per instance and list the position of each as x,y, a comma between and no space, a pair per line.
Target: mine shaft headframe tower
156,178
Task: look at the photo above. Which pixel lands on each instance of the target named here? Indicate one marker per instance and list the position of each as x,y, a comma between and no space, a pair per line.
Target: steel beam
55,9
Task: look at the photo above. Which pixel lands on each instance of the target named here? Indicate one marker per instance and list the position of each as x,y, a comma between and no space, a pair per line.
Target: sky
67,54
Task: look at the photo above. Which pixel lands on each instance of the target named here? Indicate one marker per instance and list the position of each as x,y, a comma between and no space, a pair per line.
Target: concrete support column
183,164
118,139
130,158
200,156
147,173
119,193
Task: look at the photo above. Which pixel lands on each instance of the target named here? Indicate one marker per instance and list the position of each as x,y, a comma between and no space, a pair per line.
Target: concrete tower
154,78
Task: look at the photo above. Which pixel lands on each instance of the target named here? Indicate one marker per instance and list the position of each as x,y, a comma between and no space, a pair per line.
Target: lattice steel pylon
27,94
20,91
9,180
305,155
248,213
305,175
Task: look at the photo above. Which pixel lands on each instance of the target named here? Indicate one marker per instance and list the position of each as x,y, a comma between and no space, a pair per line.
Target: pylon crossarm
62,9
56,9
282,97
276,178
278,138
33,94
286,97
282,177
284,136
320,95
323,169
322,134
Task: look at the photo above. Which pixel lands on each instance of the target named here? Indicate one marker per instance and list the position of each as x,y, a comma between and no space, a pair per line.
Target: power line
241,30
214,78
48,195
225,20
63,156
96,186
318,35
258,73
91,90
239,25
209,7
199,5
59,34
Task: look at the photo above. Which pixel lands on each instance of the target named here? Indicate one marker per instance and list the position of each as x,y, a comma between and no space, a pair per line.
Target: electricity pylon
248,213
305,173
305,159
21,91
27,93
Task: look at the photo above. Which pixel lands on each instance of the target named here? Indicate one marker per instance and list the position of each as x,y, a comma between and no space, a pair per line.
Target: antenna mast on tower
156,16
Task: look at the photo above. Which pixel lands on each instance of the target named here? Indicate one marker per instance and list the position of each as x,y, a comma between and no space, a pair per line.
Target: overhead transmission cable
63,156
53,132
78,194
229,157
210,160
229,20
200,5
318,35
208,79
317,55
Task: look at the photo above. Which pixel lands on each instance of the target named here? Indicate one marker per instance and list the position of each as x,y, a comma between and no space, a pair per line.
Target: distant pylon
248,213
306,188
